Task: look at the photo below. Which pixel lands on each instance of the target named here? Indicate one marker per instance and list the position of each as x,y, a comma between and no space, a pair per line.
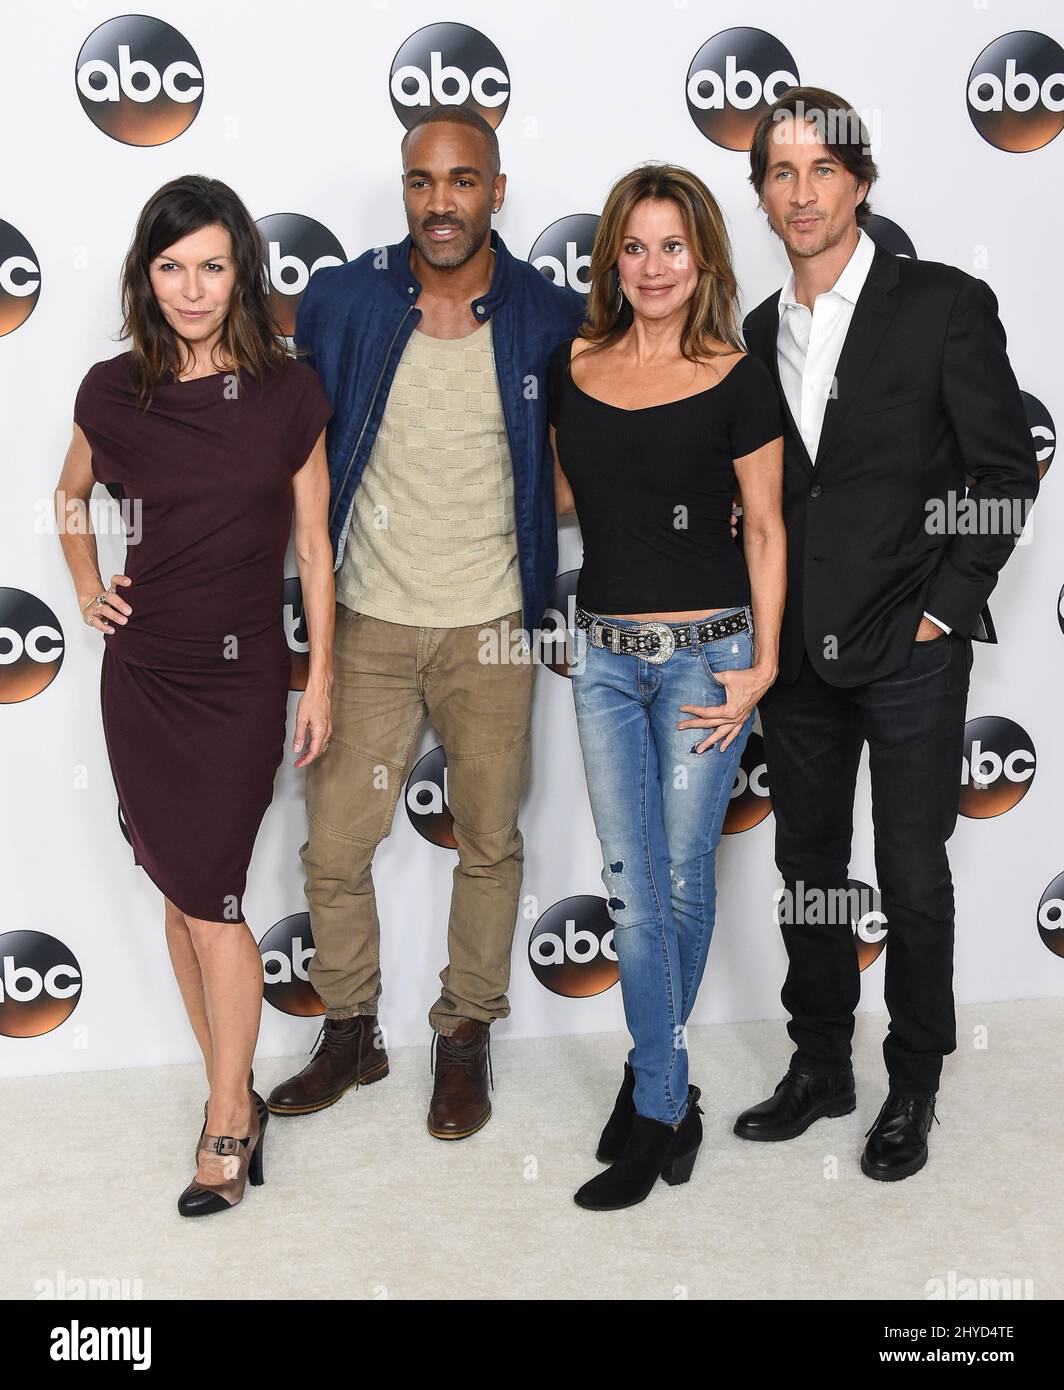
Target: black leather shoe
897,1142
652,1150
797,1101
619,1125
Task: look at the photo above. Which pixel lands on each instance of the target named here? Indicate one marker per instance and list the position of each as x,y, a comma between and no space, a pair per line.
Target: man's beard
807,252
450,255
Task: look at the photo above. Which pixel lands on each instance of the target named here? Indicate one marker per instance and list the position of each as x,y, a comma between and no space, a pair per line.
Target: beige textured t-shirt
432,538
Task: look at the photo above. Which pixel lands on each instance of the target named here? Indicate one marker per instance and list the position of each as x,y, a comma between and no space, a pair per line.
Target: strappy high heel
244,1165
260,1106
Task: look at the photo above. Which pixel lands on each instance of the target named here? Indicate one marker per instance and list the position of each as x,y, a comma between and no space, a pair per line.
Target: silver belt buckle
668,642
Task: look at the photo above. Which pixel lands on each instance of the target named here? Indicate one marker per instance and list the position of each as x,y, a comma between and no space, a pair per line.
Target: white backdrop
296,115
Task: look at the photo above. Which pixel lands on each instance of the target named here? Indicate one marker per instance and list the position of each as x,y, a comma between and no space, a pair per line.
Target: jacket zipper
365,422
510,443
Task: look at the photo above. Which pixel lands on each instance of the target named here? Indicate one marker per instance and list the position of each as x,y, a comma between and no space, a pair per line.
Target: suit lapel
798,443
765,347
872,314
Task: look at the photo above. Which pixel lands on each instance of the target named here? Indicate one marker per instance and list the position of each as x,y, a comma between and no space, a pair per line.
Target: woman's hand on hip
112,610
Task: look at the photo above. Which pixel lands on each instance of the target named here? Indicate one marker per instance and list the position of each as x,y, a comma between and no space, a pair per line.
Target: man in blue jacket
434,354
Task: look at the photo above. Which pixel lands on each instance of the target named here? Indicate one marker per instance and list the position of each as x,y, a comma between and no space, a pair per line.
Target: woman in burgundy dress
213,437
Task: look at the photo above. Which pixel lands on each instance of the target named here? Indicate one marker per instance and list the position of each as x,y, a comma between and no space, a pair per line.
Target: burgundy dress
194,688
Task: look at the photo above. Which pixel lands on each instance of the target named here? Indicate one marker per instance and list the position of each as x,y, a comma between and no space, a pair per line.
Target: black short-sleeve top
654,488
205,474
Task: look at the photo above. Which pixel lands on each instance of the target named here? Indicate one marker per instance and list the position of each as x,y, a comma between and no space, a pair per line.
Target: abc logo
296,246
40,983
867,920
449,65
997,768
556,648
890,236
571,948
426,799
733,79
286,950
1016,91
1043,431
20,279
139,80
31,646
750,803
563,250
295,631
1051,916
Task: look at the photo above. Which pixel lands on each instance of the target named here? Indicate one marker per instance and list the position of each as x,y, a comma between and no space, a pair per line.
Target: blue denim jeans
658,809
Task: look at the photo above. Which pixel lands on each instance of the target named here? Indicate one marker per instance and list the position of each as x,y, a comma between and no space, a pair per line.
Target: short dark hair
461,115
841,129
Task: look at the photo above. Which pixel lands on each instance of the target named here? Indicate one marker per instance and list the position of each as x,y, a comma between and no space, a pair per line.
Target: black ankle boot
619,1125
652,1149
897,1142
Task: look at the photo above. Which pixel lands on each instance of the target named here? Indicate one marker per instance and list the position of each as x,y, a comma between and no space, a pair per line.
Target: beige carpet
360,1202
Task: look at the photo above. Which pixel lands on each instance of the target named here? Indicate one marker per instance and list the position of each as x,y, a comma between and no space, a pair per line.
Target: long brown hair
711,311
251,338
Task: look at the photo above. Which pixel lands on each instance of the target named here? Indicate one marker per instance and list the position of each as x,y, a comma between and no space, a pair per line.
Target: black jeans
913,722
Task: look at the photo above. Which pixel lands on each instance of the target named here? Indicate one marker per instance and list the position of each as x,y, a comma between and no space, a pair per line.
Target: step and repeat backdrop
301,109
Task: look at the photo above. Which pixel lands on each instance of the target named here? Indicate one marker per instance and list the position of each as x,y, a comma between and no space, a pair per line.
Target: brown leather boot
460,1104
351,1054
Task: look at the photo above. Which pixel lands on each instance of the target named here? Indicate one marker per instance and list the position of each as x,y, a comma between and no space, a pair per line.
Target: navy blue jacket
355,320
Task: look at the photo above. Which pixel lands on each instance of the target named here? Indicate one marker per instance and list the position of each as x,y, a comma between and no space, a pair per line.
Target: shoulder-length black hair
252,340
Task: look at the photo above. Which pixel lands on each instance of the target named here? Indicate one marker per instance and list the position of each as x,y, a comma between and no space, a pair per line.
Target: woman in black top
656,415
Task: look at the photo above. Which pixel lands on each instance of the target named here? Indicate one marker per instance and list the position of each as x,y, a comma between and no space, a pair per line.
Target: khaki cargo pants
387,677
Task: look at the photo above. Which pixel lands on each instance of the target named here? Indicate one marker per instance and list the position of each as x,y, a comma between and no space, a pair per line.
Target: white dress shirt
809,344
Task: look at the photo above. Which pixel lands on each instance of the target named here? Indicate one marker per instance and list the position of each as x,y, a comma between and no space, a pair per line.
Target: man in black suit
897,387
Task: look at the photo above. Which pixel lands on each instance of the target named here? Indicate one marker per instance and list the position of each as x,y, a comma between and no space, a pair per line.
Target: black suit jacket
924,395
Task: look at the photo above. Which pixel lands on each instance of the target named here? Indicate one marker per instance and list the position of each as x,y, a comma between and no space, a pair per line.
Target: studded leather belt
654,641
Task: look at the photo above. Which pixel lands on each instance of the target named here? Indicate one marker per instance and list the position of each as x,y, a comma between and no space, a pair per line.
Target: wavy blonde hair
711,312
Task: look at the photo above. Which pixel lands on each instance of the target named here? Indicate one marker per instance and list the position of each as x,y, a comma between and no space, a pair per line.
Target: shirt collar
850,281
405,278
